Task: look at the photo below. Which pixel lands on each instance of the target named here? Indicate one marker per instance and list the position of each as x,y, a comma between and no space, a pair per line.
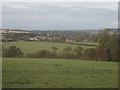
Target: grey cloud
59,15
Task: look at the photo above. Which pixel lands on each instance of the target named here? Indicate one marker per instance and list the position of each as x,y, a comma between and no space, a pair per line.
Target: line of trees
67,53
108,50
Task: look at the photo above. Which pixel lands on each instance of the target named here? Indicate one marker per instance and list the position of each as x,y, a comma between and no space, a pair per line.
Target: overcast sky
59,15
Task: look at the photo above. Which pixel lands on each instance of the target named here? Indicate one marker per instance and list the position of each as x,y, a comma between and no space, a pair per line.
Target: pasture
32,46
58,73
91,43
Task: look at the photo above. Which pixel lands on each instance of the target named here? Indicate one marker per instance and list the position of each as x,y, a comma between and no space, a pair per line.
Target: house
33,39
69,40
44,38
85,40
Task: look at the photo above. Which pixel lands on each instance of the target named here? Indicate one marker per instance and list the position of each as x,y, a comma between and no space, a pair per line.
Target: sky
59,15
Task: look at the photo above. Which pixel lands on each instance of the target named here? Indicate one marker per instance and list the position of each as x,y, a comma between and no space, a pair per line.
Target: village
12,35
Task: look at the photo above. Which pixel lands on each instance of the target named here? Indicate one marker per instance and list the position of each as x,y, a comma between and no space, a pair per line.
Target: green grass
91,43
27,46
58,73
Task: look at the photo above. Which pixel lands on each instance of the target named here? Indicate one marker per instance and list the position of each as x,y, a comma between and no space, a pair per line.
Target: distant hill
112,29
13,31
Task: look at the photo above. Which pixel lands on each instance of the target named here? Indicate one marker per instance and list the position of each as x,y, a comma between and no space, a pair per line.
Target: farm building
69,40
44,38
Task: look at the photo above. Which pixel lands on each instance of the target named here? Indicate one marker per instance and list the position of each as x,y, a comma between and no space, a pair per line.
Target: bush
89,53
41,54
12,51
101,54
66,53
78,52
30,55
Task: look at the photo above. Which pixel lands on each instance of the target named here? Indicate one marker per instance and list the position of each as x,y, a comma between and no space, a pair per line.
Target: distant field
58,73
91,43
27,46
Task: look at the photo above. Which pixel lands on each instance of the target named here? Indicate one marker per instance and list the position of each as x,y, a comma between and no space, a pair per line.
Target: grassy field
91,43
58,73
27,46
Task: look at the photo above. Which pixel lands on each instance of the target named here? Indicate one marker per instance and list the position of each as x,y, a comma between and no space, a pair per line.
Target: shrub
78,52
41,54
89,53
101,54
66,53
12,51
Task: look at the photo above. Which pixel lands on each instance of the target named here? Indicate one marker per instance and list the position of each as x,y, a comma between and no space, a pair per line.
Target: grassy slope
43,73
34,46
